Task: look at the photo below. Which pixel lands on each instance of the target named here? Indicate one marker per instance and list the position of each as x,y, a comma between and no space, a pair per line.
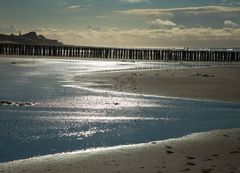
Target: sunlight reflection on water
101,118
100,102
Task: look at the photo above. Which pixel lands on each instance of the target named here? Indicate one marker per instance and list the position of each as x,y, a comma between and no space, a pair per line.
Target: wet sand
213,83
215,151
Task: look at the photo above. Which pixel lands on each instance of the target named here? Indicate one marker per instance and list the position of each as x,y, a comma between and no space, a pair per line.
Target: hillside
28,38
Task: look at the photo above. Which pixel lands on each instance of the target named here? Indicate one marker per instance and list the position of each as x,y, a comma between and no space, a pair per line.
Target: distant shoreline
80,58
118,60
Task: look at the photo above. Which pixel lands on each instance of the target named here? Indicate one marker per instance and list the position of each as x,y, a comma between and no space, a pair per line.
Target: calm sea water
68,118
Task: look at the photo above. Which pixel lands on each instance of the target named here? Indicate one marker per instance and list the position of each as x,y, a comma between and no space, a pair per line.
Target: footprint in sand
190,164
234,152
169,147
169,152
190,157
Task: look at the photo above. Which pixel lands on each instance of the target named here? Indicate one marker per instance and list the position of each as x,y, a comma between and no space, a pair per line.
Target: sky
127,23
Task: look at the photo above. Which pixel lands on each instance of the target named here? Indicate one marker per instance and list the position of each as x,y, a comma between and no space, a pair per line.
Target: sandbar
211,83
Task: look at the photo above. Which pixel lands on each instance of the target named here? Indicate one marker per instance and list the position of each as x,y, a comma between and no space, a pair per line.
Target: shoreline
114,60
208,83
198,152
218,82
78,58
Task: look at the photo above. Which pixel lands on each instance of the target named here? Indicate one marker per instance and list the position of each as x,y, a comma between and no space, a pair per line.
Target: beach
215,151
122,86
212,151
212,83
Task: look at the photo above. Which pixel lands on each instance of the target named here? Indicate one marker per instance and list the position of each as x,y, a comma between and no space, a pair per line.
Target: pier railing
157,54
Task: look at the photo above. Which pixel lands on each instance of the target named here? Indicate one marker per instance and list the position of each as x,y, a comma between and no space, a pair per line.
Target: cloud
178,36
230,2
39,29
49,29
10,29
93,28
204,16
229,23
186,10
102,17
134,1
74,7
162,23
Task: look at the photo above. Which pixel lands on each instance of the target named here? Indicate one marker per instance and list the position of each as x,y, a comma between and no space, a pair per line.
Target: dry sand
212,152
215,83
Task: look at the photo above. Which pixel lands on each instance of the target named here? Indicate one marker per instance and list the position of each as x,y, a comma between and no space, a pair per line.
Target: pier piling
157,54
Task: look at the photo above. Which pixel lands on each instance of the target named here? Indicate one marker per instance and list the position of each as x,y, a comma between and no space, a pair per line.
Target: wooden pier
121,53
